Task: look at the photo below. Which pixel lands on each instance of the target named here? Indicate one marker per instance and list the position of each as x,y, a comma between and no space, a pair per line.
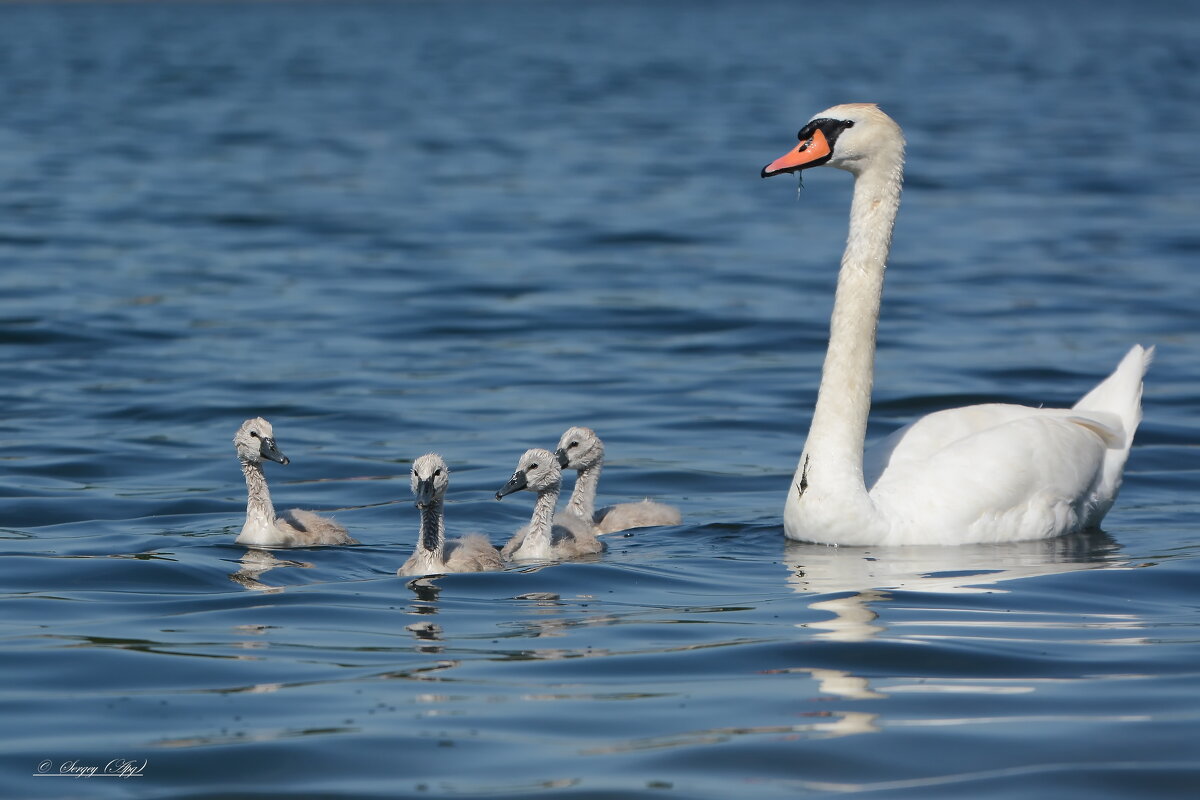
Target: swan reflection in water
869,573
849,582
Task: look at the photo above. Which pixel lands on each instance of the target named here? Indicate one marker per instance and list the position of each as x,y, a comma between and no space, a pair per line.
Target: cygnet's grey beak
267,447
515,484
561,455
424,493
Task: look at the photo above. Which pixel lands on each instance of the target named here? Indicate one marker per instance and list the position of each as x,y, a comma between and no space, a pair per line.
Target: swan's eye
572,444
805,146
437,472
849,123
254,434
532,467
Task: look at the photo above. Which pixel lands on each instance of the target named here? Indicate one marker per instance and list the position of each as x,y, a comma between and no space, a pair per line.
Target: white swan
433,554
985,473
543,539
294,528
581,449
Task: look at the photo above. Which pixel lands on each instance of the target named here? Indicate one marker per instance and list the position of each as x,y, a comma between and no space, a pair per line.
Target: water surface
463,226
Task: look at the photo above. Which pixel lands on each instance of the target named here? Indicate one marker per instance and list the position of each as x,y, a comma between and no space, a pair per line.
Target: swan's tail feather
1121,392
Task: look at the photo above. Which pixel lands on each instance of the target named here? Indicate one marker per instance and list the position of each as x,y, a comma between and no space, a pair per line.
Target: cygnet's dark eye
572,444
254,434
532,467
437,472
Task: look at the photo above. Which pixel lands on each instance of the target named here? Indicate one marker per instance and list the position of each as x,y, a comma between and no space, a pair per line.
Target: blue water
463,226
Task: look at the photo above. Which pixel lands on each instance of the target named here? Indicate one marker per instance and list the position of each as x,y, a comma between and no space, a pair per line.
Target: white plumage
985,473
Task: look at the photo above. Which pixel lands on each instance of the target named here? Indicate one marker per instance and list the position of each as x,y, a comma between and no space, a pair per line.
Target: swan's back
306,529
1000,472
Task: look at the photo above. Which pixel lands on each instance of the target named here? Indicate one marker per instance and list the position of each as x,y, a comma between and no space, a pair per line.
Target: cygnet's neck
542,522
583,497
432,540
259,511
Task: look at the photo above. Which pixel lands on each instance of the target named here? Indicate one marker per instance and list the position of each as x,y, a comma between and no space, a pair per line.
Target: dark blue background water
463,226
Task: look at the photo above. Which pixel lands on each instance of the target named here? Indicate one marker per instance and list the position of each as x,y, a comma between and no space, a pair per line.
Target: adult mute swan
433,554
294,528
984,473
582,450
543,539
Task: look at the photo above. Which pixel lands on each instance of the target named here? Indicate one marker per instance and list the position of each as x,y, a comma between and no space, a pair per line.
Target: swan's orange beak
810,150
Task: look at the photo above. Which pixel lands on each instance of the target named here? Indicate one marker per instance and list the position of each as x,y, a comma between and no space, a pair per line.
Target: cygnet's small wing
472,553
413,566
514,543
570,542
571,520
307,529
646,514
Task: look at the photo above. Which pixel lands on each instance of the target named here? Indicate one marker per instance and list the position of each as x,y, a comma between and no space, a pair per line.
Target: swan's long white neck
832,463
538,538
259,511
583,497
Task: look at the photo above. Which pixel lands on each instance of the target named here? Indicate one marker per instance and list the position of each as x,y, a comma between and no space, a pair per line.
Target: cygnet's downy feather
543,539
434,555
582,450
255,441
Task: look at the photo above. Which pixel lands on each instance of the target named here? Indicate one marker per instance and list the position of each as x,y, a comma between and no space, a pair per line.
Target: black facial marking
832,128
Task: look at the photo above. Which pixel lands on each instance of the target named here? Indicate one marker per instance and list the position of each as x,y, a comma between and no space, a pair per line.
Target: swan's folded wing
923,439
1041,472
1107,426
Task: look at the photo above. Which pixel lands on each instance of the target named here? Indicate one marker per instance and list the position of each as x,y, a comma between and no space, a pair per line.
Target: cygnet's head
430,477
255,441
850,137
579,448
537,471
